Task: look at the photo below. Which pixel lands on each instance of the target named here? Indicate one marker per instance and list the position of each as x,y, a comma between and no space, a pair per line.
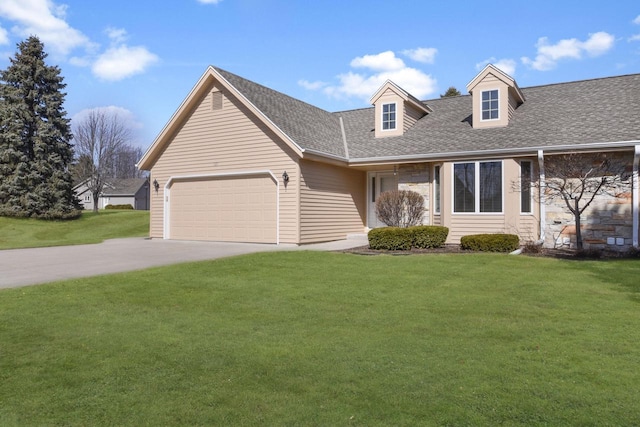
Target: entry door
379,182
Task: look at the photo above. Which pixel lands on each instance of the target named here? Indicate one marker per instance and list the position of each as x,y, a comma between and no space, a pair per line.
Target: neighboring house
132,191
241,162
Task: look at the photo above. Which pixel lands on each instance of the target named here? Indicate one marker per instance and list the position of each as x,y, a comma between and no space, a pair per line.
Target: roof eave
516,152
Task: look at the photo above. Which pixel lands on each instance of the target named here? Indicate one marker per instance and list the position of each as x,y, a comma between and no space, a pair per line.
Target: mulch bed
455,249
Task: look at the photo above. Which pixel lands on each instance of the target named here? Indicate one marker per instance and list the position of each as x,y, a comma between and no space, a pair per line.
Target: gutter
525,151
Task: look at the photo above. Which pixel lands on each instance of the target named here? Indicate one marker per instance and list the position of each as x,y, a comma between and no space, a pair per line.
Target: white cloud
117,35
380,68
634,38
506,65
209,1
46,20
637,20
120,62
385,61
549,54
4,36
311,85
124,115
422,54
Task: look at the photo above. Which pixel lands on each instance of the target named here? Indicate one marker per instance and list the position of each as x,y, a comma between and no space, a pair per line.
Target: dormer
396,110
495,96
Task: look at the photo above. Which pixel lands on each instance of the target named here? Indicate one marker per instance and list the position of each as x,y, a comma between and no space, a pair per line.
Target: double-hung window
477,187
490,105
388,116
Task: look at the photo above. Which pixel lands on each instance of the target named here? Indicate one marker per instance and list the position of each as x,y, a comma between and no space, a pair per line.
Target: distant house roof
589,114
123,187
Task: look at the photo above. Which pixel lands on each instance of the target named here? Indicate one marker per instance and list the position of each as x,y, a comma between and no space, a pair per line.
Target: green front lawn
311,338
89,228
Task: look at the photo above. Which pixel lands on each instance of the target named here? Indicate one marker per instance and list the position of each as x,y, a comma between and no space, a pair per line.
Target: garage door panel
235,209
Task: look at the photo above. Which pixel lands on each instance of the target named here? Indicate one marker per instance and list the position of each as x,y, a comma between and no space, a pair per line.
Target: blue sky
141,58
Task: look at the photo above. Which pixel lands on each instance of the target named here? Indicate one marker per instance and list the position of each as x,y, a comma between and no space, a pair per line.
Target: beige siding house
244,163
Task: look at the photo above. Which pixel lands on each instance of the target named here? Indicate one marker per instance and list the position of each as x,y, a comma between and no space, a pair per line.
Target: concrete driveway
22,267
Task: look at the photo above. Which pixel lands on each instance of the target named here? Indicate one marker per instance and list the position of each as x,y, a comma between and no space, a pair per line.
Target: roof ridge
269,89
582,81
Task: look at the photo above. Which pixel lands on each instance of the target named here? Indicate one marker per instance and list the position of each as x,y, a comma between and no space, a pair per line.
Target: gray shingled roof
123,187
583,112
310,127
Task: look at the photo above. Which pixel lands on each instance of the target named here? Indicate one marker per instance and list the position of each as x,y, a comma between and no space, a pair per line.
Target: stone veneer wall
415,177
606,224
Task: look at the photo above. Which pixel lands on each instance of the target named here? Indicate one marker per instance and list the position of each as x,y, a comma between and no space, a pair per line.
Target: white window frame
530,212
395,120
497,90
476,188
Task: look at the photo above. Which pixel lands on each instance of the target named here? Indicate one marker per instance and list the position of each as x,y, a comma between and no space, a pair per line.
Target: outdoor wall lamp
156,185
285,177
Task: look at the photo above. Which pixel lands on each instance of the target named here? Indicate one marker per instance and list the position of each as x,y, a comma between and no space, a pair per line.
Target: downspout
543,208
635,198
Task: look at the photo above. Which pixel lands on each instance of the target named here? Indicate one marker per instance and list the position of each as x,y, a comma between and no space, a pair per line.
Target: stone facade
606,224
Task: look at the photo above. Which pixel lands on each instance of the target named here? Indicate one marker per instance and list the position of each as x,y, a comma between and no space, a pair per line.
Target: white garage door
230,209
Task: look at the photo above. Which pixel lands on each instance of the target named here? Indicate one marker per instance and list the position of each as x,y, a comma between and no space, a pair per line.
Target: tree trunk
578,228
96,198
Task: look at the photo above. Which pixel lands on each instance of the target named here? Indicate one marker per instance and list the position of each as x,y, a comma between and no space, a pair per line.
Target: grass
89,228
310,338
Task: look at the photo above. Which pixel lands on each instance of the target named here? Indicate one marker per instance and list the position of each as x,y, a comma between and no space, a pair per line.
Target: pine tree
35,135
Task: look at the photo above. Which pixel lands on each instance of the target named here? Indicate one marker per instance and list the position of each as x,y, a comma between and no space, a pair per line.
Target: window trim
395,120
497,90
530,212
477,188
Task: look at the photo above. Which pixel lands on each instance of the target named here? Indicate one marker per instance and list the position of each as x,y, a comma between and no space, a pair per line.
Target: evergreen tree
452,91
35,135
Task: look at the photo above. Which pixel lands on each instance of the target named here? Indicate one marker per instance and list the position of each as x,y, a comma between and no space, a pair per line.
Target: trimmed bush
119,207
390,238
490,242
400,208
428,236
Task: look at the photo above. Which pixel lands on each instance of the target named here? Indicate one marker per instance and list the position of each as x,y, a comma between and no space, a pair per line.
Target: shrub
490,242
400,208
532,248
390,238
428,236
119,207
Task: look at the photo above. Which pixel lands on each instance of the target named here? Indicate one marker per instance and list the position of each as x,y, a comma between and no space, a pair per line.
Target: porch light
156,186
285,177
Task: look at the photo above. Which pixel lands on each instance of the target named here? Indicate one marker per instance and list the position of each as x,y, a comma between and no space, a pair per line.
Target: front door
379,182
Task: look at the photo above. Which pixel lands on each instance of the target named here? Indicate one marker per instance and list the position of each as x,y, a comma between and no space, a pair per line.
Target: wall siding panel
227,140
332,202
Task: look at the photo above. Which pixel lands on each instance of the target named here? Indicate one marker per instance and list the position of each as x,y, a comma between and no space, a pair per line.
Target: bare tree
99,136
400,208
124,164
578,179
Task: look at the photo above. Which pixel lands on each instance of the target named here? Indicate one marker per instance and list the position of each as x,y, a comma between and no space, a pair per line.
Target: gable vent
216,100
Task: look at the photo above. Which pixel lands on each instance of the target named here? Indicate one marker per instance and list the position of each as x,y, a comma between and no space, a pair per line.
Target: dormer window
490,105
496,96
396,110
389,116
